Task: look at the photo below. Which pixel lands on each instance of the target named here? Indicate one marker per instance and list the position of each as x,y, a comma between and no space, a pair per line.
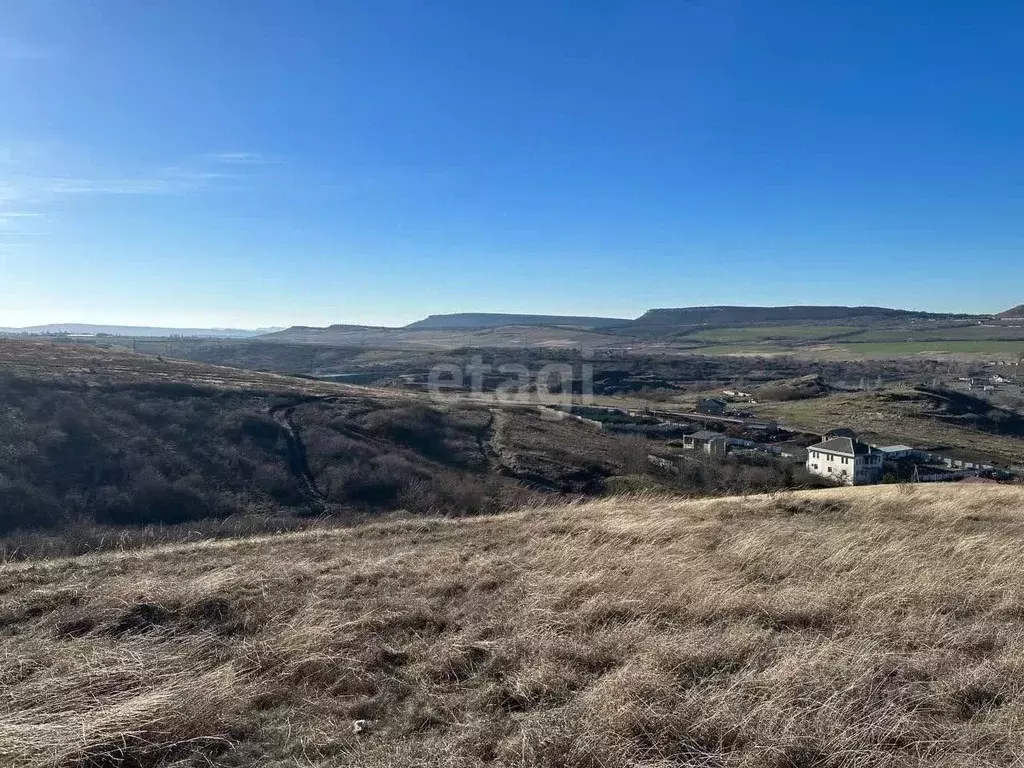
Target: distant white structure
845,460
896,452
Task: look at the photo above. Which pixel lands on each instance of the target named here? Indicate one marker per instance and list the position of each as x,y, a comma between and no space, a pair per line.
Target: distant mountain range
86,329
654,321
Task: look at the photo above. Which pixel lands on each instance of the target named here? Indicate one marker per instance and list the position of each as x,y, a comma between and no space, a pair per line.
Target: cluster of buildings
840,456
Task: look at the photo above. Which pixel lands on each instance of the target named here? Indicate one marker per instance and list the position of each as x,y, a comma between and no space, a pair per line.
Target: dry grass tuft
854,627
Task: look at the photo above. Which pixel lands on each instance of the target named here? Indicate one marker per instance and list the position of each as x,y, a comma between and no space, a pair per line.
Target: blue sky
197,163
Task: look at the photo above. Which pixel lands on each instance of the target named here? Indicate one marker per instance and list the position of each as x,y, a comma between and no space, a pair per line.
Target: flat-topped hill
728,315
856,627
496,320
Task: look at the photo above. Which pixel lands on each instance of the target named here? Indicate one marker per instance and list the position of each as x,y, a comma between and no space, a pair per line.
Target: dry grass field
884,418
858,627
89,366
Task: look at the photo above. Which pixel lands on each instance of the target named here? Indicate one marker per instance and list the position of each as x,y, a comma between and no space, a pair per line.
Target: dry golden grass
880,418
84,365
856,627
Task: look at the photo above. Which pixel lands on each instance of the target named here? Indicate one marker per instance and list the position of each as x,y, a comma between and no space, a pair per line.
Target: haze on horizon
243,165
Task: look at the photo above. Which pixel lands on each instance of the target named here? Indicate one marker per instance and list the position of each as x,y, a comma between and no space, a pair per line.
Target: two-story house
845,460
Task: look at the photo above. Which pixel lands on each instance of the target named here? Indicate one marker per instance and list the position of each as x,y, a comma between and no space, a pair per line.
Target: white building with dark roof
845,460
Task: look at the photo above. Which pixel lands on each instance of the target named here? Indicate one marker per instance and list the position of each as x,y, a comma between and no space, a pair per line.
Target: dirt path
298,464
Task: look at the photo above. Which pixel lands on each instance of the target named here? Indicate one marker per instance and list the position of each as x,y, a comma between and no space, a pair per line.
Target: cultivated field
858,627
1002,349
773,333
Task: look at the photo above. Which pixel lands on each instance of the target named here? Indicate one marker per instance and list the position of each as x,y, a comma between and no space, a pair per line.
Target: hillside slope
448,337
857,627
97,444
140,330
1012,314
923,416
102,448
659,319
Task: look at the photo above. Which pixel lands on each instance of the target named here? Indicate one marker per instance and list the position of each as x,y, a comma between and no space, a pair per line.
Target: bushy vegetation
135,455
102,448
743,475
649,467
411,456
802,388
961,409
98,465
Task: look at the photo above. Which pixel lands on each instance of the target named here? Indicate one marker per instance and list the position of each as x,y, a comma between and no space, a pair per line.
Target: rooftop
706,434
844,445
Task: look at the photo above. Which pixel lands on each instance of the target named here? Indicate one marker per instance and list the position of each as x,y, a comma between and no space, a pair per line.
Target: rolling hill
856,627
1016,313
100,441
753,329
138,330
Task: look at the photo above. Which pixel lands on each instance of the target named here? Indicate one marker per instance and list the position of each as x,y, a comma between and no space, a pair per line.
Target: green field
772,333
1009,349
741,349
958,333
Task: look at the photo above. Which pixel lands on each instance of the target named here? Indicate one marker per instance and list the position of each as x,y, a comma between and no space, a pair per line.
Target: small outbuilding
896,452
714,443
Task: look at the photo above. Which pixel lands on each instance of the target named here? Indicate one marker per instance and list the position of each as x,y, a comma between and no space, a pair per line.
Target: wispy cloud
11,49
171,181
238,158
12,221
29,193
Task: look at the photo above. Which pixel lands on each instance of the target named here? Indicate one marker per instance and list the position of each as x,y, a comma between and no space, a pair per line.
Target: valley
107,448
